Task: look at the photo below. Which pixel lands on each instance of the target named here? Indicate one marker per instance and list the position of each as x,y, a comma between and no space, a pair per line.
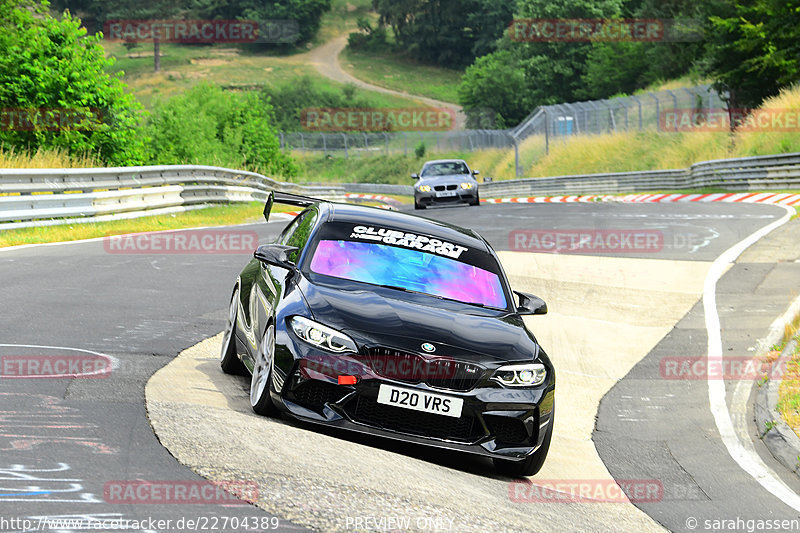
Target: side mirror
276,254
268,205
476,172
530,304
415,176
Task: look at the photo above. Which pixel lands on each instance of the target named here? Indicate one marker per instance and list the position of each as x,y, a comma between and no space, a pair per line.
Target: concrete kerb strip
782,442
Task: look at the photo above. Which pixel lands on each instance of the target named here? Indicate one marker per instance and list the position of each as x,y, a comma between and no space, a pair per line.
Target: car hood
403,321
447,179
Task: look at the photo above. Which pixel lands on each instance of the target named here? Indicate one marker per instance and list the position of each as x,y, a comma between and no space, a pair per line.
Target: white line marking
113,361
748,460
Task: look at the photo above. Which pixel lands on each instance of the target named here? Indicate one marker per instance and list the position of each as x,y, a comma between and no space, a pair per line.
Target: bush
289,101
419,150
209,126
52,79
368,38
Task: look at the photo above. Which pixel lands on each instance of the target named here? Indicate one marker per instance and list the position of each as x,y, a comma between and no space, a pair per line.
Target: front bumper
461,196
495,421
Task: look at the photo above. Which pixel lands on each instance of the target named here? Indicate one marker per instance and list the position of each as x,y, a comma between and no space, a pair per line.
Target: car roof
359,214
426,163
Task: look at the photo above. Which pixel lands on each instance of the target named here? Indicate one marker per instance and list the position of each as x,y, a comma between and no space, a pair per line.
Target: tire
531,465
418,205
477,201
260,399
228,360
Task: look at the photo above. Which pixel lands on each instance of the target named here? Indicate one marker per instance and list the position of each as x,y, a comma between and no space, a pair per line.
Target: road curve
325,59
609,313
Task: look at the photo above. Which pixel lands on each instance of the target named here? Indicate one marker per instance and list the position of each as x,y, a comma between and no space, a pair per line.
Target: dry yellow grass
748,143
43,158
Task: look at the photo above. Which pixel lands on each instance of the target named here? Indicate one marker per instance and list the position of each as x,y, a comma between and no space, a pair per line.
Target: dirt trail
325,59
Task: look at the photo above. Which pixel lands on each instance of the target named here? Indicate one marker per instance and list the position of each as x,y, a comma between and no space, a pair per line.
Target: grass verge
395,71
789,390
219,215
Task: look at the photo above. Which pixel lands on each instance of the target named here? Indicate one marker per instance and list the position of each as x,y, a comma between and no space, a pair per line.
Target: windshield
445,169
408,269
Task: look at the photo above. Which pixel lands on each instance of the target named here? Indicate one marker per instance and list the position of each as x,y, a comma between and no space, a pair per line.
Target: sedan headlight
425,188
526,375
322,336
466,185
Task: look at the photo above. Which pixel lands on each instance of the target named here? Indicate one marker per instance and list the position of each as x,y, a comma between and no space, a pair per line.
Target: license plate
445,194
426,402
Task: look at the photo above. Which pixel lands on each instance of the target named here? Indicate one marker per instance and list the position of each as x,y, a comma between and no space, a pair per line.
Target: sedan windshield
445,169
408,269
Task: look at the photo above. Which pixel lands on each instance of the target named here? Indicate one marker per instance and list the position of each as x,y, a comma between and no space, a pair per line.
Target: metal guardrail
750,173
31,197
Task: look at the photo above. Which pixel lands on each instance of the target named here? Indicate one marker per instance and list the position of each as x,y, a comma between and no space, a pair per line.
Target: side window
298,232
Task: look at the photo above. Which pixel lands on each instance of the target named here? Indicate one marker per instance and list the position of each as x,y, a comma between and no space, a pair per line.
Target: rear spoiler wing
289,199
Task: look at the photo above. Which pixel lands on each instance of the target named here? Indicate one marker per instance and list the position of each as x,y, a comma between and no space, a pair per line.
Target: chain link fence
647,111
643,112
402,142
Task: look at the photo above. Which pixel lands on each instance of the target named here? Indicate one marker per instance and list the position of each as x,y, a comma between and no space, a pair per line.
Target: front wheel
531,465
228,360
260,398
476,201
418,205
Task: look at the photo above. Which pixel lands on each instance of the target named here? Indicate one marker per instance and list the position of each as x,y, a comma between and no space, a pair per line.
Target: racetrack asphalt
607,311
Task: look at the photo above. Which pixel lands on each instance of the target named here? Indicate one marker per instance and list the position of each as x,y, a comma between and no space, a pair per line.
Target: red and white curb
742,197
378,197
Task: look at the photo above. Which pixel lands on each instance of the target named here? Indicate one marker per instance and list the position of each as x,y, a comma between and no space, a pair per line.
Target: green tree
52,73
533,73
307,13
450,33
754,50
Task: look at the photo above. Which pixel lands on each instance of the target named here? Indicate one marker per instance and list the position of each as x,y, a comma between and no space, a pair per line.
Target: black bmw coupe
394,325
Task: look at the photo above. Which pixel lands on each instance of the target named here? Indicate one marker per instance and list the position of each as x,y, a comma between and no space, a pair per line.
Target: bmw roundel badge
428,347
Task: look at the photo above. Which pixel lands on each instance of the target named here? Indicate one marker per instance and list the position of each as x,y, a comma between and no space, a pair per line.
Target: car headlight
322,336
526,375
466,185
425,188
